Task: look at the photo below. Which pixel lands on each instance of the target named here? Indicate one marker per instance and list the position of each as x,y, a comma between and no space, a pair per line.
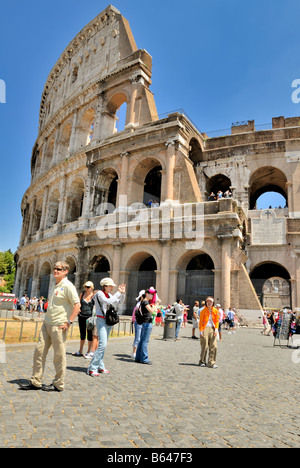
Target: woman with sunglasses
86,310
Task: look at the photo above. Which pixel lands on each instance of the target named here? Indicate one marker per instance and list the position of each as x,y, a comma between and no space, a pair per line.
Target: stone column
32,210
290,199
55,157
171,155
60,216
123,184
117,263
72,145
165,272
295,285
226,270
44,209
130,113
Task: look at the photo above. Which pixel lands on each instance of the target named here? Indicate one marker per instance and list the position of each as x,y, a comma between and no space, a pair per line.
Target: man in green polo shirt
63,308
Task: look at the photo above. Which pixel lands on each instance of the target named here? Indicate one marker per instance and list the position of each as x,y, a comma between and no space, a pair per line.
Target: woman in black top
87,303
147,309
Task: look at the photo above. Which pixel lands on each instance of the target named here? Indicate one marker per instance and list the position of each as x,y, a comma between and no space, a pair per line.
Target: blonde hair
62,264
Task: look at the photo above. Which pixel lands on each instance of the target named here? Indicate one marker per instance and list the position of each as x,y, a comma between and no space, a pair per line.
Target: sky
221,61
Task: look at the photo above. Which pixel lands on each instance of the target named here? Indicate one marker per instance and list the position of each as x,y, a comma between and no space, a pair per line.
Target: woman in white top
103,299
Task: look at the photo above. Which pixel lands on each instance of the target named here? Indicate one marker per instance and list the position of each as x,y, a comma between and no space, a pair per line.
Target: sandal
77,354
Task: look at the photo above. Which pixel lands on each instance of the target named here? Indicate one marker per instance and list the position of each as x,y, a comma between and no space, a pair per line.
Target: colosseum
131,199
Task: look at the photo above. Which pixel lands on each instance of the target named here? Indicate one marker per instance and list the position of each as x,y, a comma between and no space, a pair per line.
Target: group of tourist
65,305
33,304
220,194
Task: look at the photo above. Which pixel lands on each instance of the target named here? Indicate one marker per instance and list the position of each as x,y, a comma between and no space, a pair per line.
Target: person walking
221,320
230,318
208,326
195,319
178,308
64,306
147,310
103,299
137,327
86,311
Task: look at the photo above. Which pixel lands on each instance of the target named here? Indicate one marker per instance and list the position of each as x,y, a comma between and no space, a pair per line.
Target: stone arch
264,272
83,131
29,280
195,277
75,200
37,215
48,153
64,142
45,273
195,152
52,211
106,191
116,102
100,268
70,259
266,179
216,183
142,268
143,168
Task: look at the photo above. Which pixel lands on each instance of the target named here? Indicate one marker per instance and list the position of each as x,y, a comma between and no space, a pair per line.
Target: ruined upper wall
101,48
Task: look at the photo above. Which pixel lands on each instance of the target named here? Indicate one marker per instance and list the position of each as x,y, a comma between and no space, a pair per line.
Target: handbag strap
101,308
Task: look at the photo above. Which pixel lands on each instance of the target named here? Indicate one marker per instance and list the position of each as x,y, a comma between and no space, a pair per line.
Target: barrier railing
123,328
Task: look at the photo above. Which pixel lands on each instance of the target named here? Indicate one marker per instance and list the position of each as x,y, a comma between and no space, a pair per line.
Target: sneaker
147,362
92,373
202,364
104,371
89,356
213,367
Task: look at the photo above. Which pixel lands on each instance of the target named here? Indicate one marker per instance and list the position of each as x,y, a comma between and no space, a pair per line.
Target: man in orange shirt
208,326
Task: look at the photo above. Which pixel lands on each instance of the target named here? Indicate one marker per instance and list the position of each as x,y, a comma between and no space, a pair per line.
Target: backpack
111,316
139,318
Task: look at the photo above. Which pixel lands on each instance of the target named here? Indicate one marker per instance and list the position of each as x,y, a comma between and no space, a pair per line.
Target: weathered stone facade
85,175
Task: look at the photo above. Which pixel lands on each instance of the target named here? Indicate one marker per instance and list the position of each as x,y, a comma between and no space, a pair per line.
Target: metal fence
123,328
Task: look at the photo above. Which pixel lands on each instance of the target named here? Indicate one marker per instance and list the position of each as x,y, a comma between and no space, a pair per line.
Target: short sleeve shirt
62,299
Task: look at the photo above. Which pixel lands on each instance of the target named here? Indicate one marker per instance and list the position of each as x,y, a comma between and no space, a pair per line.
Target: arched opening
272,200
105,193
218,183
45,280
100,270
52,213
75,201
120,119
196,281
195,153
37,215
267,181
72,271
48,153
264,278
83,133
29,281
115,118
142,267
64,142
152,187
146,181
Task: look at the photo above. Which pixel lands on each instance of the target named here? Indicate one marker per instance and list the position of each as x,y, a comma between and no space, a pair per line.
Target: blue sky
221,61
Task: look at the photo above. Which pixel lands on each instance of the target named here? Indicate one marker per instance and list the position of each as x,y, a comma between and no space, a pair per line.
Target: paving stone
172,404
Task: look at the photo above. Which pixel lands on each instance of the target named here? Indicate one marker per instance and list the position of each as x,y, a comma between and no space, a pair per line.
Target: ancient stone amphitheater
130,199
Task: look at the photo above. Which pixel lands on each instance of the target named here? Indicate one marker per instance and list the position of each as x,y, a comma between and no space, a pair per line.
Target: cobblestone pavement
250,400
